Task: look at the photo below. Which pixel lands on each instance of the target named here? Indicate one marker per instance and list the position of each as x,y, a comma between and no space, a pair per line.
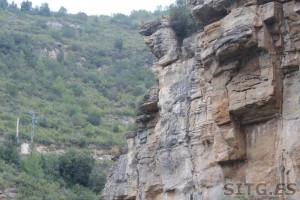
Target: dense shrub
182,20
118,44
9,150
78,192
33,164
76,166
58,86
69,31
81,16
12,89
138,90
50,165
94,118
7,43
98,176
77,90
121,19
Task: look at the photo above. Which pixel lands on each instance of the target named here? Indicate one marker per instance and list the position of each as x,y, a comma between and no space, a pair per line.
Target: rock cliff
226,111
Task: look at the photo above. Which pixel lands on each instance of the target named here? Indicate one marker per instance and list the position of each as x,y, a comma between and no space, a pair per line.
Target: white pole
18,128
18,121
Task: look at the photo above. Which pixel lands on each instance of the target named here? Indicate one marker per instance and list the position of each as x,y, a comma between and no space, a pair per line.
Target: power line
34,121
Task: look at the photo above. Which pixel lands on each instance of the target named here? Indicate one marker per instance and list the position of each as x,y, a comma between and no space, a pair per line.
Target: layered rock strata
226,110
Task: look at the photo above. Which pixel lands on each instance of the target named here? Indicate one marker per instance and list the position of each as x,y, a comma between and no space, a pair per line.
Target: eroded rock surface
227,107
162,40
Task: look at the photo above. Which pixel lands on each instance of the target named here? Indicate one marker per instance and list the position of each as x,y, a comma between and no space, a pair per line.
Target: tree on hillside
26,6
58,86
94,118
35,10
76,166
140,14
3,4
33,164
118,44
50,165
81,16
9,149
98,176
69,31
45,10
7,42
121,19
62,12
13,6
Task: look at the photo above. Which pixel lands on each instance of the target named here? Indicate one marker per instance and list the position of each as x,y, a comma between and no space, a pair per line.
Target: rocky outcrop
227,107
9,193
162,40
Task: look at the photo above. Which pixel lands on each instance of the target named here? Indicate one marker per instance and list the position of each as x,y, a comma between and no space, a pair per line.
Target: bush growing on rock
182,20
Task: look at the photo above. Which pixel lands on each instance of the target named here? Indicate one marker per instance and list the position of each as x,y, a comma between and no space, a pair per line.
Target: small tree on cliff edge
182,20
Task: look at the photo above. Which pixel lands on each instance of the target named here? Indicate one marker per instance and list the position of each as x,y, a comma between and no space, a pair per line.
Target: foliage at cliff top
182,20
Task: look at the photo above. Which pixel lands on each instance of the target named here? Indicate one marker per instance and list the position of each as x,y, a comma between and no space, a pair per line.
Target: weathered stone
150,101
189,47
227,109
130,134
271,12
162,40
209,11
238,36
144,118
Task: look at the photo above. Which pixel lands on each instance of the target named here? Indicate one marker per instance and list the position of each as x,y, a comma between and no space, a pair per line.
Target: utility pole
18,121
33,124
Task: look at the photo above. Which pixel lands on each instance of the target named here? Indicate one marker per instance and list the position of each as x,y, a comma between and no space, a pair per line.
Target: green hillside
84,77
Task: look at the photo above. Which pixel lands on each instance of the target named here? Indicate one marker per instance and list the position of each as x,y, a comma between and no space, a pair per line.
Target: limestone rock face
162,40
226,110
